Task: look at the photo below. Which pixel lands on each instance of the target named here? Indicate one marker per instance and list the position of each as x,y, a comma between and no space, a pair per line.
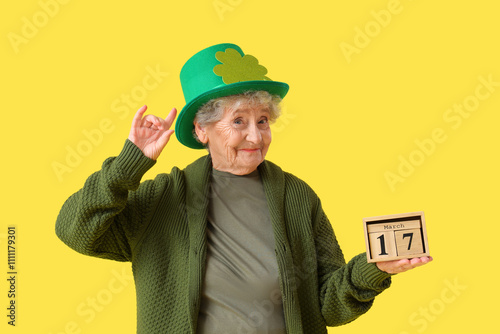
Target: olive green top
241,291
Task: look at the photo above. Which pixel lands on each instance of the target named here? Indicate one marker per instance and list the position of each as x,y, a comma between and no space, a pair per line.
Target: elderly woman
231,243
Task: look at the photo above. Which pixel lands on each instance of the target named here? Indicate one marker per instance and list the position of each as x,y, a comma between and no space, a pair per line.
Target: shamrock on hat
236,68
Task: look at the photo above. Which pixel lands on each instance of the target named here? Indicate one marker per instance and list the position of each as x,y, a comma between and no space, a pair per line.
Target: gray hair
213,110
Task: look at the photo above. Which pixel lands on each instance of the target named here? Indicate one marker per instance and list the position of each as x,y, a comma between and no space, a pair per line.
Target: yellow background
349,120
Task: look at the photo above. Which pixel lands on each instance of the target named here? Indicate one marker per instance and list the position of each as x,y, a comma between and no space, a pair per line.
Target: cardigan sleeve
347,290
104,218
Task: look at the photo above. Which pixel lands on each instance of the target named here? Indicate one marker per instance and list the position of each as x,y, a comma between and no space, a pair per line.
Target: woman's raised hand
151,133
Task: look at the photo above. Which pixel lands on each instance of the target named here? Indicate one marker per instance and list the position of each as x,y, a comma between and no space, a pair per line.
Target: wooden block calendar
392,237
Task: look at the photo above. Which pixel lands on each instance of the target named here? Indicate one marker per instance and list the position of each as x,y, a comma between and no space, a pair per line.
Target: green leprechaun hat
217,71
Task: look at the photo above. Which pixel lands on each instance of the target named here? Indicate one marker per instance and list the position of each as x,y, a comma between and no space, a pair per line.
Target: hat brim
184,125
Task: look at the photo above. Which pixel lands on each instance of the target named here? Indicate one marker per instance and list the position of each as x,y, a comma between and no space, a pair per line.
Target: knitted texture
160,226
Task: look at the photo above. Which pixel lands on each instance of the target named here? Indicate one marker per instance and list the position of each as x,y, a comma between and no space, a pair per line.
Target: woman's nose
254,135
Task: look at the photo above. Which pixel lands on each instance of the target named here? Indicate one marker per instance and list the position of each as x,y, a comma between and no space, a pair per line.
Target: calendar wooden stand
392,237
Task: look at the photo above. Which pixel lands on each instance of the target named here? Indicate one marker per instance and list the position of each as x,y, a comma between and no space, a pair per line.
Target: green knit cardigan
160,226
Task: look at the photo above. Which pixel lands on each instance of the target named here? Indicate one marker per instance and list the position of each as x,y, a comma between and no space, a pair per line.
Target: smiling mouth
249,149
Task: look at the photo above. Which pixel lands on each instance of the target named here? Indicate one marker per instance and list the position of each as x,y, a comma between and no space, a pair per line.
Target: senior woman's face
238,143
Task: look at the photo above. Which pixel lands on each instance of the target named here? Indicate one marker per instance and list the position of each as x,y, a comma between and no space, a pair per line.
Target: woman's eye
263,121
238,121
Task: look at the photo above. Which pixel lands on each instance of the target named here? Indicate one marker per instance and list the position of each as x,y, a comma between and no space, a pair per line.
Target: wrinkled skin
239,142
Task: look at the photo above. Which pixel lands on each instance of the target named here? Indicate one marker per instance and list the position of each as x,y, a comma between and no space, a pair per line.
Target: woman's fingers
164,138
152,121
400,266
151,133
137,120
167,123
171,117
420,261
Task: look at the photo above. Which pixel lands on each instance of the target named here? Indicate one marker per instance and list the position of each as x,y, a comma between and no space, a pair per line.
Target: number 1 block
383,244
393,237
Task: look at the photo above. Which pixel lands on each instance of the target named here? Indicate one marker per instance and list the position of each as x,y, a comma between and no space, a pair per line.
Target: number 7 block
393,237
